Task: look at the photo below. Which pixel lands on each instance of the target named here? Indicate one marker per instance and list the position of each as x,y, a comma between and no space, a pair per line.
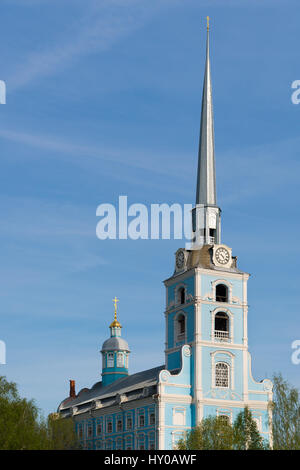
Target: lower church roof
124,389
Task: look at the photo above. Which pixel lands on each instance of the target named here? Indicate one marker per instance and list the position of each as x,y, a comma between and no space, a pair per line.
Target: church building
207,370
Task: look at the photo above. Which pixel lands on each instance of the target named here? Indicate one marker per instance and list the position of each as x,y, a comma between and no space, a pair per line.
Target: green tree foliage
61,433
216,433
246,434
23,428
213,433
285,415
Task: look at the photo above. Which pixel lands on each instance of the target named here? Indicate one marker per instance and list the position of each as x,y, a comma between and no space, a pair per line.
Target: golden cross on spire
115,323
115,301
207,19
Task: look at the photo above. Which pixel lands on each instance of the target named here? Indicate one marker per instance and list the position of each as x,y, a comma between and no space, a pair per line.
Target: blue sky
103,99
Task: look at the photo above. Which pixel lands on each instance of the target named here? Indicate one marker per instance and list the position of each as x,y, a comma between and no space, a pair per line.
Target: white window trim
177,289
179,433
231,324
129,415
120,355
227,284
225,412
107,359
230,363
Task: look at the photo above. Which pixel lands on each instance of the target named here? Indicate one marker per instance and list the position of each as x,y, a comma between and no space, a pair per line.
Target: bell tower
206,301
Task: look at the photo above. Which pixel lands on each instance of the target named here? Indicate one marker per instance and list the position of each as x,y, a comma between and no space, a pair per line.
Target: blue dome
115,343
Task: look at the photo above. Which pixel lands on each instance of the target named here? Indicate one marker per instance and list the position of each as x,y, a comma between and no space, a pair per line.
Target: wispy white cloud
249,168
158,163
103,23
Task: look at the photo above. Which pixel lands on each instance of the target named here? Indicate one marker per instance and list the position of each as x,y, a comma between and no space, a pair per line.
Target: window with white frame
152,418
110,359
176,436
222,375
119,425
109,426
98,428
89,430
120,360
141,420
221,331
128,422
224,418
221,293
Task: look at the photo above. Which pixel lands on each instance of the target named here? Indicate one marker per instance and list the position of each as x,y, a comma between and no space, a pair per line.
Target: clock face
180,259
222,255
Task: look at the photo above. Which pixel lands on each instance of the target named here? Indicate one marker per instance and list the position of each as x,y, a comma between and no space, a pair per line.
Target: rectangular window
110,360
99,429
119,425
109,426
119,444
120,360
90,430
152,419
129,422
141,420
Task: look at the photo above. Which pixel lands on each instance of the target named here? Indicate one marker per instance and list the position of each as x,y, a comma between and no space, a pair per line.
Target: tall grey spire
206,214
206,178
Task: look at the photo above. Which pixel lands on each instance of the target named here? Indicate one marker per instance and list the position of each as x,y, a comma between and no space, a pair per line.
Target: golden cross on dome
115,323
115,301
207,19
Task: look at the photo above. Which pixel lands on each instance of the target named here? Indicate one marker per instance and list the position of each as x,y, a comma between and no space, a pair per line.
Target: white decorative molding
227,283
231,368
231,324
179,416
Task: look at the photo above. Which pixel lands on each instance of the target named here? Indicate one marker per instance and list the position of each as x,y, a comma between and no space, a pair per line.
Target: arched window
221,326
222,375
224,418
221,293
179,328
181,324
181,295
110,360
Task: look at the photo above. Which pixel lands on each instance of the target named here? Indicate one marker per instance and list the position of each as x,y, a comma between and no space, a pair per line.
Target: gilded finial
115,323
207,19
